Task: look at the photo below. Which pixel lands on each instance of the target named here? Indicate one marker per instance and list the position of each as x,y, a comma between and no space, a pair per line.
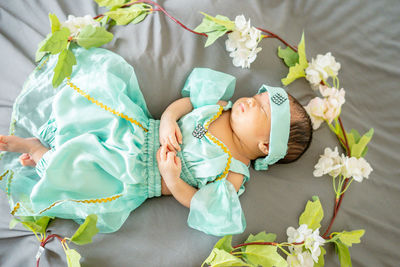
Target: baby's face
251,118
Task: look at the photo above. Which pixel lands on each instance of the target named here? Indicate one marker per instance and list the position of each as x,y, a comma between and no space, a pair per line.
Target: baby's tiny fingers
170,156
174,143
179,135
163,153
170,147
178,161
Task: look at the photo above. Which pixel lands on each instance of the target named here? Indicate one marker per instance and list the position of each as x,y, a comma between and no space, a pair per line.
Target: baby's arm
181,107
170,169
177,109
169,132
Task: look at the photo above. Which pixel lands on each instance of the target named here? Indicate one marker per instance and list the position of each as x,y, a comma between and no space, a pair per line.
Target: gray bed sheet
364,36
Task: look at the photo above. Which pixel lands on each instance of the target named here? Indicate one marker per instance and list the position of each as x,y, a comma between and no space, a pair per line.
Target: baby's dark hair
300,131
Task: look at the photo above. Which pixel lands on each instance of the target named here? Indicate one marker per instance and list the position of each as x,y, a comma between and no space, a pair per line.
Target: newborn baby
97,148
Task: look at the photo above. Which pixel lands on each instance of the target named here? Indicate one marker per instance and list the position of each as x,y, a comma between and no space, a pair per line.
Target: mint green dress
103,143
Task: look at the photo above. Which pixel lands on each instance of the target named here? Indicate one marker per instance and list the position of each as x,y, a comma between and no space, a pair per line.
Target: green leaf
93,36
344,254
63,69
297,70
54,22
139,18
219,258
356,135
110,3
321,261
213,36
294,73
57,41
86,231
207,25
261,237
124,16
13,223
43,222
288,55
301,49
32,226
312,214
353,137
73,258
364,152
221,20
225,243
39,54
350,238
103,21
214,27
358,149
264,255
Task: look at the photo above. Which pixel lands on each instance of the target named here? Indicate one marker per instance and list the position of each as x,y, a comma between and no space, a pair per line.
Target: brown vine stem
277,37
44,242
160,8
338,202
256,243
345,137
166,13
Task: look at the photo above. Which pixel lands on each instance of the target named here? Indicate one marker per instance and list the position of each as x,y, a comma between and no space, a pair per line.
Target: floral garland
304,244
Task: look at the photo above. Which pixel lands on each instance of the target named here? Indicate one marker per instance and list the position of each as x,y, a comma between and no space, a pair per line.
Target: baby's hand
170,134
168,163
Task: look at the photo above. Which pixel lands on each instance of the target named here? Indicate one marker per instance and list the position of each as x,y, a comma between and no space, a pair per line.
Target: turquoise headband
280,126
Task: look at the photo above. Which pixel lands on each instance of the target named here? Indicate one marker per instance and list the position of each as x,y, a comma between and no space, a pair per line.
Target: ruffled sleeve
206,87
215,209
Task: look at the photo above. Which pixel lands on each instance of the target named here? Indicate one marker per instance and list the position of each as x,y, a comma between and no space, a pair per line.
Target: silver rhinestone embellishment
199,131
278,99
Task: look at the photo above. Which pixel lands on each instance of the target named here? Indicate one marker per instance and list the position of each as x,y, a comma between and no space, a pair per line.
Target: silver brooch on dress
199,131
278,99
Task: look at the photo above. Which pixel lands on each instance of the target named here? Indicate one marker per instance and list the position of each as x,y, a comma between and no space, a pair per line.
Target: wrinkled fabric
104,141
215,209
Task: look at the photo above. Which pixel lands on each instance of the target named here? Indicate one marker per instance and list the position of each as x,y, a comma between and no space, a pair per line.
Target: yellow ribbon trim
4,174
44,62
15,208
99,200
9,182
215,140
94,101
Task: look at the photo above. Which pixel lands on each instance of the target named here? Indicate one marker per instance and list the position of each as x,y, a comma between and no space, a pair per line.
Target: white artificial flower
242,43
326,109
313,242
365,167
241,24
356,168
321,68
330,163
334,99
298,235
349,166
312,75
316,109
302,259
76,24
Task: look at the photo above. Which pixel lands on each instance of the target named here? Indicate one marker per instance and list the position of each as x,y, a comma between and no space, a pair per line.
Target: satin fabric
100,162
